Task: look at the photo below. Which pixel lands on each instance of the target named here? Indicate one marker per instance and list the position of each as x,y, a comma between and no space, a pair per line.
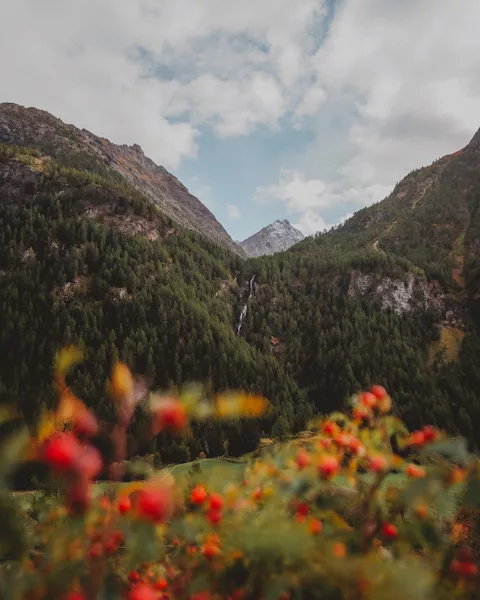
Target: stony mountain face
33,127
277,237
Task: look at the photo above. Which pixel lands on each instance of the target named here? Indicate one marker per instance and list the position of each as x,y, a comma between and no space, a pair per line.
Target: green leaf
12,447
471,498
453,449
275,590
394,425
427,487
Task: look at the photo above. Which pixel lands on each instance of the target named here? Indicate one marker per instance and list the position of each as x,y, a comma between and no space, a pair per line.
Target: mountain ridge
31,126
279,236
391,297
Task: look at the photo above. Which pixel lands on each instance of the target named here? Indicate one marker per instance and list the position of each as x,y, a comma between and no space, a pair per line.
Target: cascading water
243,314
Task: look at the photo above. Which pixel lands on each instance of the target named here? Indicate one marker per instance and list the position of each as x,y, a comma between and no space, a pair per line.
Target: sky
265,109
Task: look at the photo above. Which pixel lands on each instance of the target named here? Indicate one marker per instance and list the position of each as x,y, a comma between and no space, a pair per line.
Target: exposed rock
130,224
414,294
277,237
79,285
28,255
119,294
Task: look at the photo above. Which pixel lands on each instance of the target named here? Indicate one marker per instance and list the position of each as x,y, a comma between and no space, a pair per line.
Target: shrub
335,515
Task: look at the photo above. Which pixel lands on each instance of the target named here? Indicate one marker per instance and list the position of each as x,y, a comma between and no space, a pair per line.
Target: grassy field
212,471
215,472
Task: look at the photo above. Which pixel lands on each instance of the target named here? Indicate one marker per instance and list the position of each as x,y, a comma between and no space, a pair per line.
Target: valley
98,246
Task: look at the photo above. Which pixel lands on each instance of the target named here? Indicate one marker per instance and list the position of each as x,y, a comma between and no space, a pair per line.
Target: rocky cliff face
30,126
277,237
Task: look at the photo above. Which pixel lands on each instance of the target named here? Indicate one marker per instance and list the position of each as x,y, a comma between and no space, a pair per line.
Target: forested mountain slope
392,296
71,146
85,257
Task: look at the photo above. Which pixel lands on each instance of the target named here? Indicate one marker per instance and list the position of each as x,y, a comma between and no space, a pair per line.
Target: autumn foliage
353,510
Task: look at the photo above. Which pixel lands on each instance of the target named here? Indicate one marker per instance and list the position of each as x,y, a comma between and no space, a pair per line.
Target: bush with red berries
358,509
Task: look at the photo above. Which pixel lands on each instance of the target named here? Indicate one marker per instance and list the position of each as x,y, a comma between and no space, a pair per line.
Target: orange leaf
122,381
240,405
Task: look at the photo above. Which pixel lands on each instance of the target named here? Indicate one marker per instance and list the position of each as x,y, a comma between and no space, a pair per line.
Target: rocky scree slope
38,128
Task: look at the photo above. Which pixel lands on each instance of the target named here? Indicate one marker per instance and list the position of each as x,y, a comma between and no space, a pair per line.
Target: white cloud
411,72
310,223
394,85
407,78
297,192
234,66
233,212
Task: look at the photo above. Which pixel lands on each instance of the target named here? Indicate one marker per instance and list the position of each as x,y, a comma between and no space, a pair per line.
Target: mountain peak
276,237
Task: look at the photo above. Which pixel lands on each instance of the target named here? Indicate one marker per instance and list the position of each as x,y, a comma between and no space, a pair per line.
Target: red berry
468,569
455,566
415,471
315,526
429,433
85,424
133,576
96,550
257,493
390,531
303,459
330,428
328,466
216,502
198,495
343,439
303,509
378,463
62,451
161,584
361,412
90,463
421,511
124,505
171,415
142,591
379,392
111,546
368,399
354,444
417,438
155,503
465,554
214,515
75,596
210,551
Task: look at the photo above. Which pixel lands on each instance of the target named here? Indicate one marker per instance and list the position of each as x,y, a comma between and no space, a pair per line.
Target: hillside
78,147
85,257
276,237
391,296
88,254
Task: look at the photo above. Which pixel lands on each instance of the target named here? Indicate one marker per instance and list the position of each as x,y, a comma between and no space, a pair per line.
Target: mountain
392,296
89,255
87,258
39,129
277,237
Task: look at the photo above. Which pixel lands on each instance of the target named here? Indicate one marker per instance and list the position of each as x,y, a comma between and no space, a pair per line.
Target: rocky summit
277,237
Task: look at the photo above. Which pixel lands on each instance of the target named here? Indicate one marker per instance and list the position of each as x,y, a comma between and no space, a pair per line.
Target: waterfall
243,314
